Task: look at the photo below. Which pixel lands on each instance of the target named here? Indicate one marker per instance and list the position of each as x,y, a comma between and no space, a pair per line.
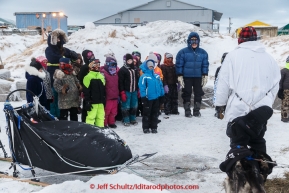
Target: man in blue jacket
192,67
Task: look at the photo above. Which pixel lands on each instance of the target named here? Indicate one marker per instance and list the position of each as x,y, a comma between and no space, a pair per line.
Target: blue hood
193,34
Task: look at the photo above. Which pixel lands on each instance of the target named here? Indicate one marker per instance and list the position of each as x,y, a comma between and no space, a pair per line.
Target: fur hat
153,57
247,34
58,33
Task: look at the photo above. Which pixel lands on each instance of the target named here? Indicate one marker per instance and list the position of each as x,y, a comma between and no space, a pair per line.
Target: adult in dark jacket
192,67
87,56
283,92
128,87
35,75
55,50
170,82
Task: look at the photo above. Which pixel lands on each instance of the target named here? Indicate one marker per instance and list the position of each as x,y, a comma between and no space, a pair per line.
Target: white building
165,10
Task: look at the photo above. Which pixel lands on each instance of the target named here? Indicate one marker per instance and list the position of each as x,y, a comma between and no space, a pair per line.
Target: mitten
181,81
204,80
88,106
123,96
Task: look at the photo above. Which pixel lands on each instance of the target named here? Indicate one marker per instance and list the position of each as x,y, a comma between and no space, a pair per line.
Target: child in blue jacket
151,89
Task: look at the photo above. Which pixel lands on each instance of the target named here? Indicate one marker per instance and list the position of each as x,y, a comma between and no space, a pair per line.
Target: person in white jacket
247,85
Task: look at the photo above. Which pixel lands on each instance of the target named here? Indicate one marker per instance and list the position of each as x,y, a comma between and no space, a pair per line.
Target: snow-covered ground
197,145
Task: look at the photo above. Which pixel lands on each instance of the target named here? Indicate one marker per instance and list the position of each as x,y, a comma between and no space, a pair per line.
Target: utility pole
230,25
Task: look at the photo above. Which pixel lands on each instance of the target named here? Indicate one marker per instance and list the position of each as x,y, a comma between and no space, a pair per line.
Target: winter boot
187,107
146,131
133,123
112,126
154,131
196,110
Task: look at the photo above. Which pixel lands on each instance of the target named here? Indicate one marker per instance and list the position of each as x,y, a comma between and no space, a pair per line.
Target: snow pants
171,100
192,84
129,107
110,111
150,114
285,106
96,115
54,109
72,112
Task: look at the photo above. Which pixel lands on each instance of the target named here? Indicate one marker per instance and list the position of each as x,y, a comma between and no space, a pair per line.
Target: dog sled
38,139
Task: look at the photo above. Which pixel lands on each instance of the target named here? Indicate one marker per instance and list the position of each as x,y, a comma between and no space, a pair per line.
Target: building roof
7,21
256,24
286,27
18,13
217,15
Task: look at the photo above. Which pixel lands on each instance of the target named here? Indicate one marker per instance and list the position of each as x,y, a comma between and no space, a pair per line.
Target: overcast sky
274,12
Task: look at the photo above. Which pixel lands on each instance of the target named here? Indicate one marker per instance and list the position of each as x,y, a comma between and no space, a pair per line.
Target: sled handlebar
7,98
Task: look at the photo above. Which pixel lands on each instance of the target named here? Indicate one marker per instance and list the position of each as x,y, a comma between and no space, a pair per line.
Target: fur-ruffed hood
52,38
32,71
58,74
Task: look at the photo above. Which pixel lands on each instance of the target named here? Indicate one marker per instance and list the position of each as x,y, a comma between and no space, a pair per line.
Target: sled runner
38,139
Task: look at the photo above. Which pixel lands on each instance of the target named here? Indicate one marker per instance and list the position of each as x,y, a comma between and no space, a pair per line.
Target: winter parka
150,84
94,87
192,62
284,82
127,79
35,84
248,79
169,73
53,52
71,98
111,84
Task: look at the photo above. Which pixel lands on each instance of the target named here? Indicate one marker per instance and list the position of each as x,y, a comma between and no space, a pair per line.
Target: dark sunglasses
194,41
113,64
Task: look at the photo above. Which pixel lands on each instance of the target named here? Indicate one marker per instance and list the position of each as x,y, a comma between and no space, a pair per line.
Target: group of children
135,88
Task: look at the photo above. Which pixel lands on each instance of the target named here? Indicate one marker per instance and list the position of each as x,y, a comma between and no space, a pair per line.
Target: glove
166,88
281,94
123,96
65,88
144,101
88,106
161,99
220,111
181,81
204,80
138,94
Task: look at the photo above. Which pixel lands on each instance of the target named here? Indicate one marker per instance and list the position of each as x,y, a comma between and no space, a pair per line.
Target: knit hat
128,57
41,60
136,53
152,56
159,57
110,58
168,55
64,60
35,64
87,56
247,34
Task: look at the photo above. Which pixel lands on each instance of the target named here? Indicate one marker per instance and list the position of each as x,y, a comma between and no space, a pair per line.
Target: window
117,20
136,20
168,3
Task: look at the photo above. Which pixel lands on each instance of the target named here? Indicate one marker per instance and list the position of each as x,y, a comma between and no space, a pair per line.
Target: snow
197,145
